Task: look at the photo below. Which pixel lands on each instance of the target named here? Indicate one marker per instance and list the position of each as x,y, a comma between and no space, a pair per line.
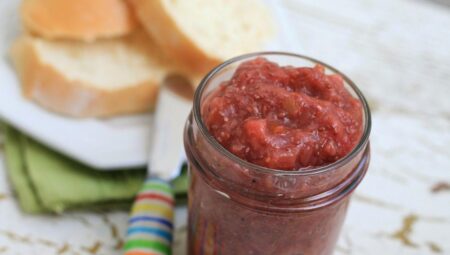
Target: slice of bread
77,19
104,78
204,33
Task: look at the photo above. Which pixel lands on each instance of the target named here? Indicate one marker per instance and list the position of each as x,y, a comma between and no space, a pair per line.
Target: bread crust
84,20
49,87
170,38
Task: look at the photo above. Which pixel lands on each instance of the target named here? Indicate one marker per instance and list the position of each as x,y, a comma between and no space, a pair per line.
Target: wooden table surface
398,53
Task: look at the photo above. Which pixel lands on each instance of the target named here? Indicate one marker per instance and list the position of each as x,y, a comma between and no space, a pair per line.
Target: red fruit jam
274,154
284,117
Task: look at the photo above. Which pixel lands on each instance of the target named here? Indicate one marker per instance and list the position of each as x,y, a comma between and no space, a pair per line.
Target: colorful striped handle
151,221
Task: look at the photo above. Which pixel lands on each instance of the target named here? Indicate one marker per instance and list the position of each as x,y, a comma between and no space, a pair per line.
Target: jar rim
196,110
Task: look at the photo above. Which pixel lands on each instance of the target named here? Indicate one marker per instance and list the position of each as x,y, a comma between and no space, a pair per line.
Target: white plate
102,144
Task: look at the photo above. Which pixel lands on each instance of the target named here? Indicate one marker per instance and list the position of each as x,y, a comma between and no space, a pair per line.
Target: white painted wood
398,53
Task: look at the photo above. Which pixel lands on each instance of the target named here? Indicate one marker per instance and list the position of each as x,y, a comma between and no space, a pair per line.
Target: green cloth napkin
46,181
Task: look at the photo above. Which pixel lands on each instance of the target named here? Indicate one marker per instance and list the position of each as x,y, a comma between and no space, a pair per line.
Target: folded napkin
46,181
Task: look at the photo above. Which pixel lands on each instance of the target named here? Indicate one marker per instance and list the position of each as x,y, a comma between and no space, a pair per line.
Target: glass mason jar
236,207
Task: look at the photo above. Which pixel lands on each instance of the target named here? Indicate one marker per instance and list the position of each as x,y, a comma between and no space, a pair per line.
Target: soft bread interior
109,64
223,28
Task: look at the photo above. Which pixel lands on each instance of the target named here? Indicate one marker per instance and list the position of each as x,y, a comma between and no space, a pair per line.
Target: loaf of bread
98,79
77,19
204,33
86,58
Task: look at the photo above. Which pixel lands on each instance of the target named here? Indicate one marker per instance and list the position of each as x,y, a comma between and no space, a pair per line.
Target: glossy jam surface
284,117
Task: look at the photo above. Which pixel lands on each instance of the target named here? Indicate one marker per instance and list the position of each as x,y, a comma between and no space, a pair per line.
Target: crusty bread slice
204,33
104,78
77,19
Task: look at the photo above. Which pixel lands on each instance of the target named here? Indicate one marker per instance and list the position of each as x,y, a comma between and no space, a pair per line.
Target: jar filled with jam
276,144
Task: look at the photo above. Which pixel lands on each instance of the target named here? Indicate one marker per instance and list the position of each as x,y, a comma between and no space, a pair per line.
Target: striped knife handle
150,225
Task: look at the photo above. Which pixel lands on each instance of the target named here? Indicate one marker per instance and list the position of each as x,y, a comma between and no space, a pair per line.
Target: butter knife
150,225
